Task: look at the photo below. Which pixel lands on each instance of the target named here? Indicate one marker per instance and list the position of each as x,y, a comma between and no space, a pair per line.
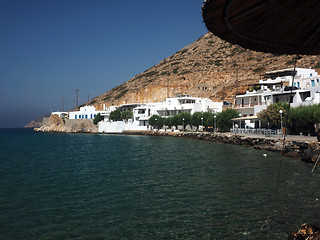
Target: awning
255,117
278,26
144,118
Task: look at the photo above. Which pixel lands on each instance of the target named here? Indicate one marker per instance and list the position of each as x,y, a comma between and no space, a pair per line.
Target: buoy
264,154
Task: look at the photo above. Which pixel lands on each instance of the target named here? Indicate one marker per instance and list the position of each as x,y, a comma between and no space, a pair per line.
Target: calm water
81,186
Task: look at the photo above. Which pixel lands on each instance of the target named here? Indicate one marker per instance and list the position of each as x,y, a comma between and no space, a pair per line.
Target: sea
98,186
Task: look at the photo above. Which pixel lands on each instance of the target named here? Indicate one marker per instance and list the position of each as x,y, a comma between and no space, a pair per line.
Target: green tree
196,119
167,121
125,115
115,115
224,122
98,118
210,120
181,119
302,119
156,121
206,116
271,115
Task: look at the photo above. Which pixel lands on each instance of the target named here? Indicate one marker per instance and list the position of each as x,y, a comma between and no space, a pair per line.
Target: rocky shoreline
307,151
59,125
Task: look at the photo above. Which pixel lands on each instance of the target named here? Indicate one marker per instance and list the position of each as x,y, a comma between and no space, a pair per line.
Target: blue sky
49,48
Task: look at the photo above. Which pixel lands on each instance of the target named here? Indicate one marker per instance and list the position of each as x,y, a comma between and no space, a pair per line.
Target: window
310,74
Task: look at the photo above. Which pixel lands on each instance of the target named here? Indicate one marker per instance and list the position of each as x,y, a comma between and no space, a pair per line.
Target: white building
278,88
168,108
86,112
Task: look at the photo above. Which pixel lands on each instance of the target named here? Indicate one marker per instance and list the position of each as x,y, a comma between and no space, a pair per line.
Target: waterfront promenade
300,138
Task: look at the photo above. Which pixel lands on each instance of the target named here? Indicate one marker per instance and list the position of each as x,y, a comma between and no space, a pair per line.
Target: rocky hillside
209,67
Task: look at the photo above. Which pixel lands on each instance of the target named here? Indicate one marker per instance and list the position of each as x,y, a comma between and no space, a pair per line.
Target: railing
263,131
249,105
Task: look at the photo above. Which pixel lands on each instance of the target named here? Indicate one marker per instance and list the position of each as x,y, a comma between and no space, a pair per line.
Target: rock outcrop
57,124
307,232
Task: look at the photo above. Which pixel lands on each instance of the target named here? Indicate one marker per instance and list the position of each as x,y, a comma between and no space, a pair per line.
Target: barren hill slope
209,67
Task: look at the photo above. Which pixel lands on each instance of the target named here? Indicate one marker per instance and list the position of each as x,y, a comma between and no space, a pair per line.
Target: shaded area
279,27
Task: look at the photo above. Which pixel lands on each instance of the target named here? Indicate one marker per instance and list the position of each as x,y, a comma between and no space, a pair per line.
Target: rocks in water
306,232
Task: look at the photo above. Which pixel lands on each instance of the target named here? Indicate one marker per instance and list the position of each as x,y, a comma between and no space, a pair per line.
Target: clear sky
50,48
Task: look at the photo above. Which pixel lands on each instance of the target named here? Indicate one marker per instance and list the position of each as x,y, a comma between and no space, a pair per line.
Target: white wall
118,127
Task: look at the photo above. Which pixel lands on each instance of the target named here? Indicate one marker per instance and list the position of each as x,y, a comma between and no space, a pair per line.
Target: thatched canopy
275,26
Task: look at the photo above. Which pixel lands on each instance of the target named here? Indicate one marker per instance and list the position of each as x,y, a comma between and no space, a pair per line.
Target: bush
302,119
259,69
98,118
125,115
115,115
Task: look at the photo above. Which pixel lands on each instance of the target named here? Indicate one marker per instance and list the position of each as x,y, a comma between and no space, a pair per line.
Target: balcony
248,105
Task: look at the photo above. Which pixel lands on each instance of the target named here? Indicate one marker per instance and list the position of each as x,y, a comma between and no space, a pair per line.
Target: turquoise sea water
83,186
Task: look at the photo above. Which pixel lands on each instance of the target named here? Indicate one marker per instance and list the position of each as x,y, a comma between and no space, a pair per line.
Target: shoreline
306,149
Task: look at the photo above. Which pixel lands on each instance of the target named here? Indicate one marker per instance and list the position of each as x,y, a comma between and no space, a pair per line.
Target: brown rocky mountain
209,67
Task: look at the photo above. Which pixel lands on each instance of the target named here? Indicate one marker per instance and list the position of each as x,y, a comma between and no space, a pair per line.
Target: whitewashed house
86,112
278,87
170,107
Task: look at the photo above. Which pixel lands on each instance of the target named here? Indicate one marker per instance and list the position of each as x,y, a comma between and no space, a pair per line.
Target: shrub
217,62
317,65
291,62
125,115
98,118
175,70
115,115
259,69
121,94
302,119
